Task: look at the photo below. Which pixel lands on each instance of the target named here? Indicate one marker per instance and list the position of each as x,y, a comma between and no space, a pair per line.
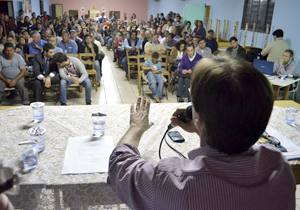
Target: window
259,12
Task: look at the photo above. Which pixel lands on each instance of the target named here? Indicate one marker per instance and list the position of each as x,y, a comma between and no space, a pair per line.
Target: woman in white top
187,28
168,27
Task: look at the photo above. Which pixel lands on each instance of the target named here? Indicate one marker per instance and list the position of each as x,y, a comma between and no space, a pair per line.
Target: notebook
265,67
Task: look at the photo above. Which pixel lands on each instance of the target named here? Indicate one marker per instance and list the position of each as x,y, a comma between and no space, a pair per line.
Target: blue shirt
57,49
156,66
71,47
127,47
33,50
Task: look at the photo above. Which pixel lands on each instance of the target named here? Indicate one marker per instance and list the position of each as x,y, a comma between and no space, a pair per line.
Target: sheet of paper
87,154
293,151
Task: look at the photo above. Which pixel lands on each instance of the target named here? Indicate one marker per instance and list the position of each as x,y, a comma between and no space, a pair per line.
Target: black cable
164,137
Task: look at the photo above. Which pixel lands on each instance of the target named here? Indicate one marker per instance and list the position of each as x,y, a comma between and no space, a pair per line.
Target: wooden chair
73,55
28,56
131,62
142,77
166,73
90,66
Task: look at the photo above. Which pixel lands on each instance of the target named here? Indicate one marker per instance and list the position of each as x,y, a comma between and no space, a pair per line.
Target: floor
114,89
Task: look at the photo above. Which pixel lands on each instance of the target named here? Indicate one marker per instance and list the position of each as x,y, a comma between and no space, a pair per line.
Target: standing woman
199,31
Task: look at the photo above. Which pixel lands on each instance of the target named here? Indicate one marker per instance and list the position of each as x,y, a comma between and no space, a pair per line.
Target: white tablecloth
65,122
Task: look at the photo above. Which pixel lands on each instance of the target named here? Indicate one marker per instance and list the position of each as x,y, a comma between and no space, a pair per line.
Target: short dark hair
201,39
233,39
211,31
220,95
47,47
86,35
155,55
178,44
162,14
290,52
188,22
59,57
7,45
278,33
189,45
65,32
170,34
133,31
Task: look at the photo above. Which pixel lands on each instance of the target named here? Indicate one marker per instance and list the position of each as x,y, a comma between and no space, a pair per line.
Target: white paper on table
87,154
293,151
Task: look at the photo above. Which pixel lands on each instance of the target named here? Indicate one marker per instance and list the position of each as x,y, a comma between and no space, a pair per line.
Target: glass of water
38,111
99,125
29,154
38,134
291,114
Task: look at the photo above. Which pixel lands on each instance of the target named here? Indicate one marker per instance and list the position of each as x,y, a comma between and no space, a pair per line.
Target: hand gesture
281,62
90,45
184,71
139,118
189,71
133,48
13,83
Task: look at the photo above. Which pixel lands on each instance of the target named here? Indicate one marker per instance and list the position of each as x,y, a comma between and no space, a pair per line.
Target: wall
139,7
285,17
35,6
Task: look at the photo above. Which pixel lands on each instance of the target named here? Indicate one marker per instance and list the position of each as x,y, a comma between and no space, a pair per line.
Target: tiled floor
114,89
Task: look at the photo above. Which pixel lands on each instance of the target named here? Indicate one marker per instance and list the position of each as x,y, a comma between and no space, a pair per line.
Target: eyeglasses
271,139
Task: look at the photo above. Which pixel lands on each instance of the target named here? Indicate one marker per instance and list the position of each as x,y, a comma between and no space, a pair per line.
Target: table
278,83
45,187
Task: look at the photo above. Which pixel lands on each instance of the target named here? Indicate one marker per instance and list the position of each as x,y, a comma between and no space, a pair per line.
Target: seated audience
170,42
72,71
45,71
148,36
199,32
37,44
152,69
67,45
177,22
12,72
28,39
168,27
154,46
98,36
176,36
133,45
52,41
185,71
211,42
120,46
202,50
87,46
74,37
187,28
195,42
236,50
275,49
11,40
176,54
285,66
227,170
3,41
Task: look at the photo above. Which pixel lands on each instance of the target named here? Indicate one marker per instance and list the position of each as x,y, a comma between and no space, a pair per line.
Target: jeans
109,43
98,70
183,82
121,53
156,84
106,39
63,90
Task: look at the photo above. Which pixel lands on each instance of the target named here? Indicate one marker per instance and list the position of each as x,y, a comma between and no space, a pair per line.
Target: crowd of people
184,44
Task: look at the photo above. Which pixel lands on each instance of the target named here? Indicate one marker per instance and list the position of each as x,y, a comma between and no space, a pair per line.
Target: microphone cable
164,138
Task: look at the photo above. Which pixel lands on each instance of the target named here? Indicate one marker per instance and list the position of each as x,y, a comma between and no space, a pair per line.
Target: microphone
185,117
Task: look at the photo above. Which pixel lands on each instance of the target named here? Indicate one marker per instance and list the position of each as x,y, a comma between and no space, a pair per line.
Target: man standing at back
275,49
236,50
